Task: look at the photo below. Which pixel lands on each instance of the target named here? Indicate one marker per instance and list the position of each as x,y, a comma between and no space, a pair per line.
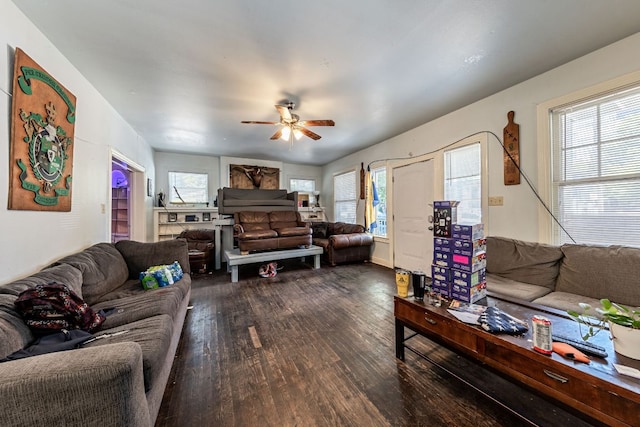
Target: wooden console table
595,390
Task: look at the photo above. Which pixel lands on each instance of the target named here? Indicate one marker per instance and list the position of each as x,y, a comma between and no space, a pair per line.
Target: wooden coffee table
595,390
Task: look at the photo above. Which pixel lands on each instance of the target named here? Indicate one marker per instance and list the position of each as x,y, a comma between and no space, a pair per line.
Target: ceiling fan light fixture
286,133
297,133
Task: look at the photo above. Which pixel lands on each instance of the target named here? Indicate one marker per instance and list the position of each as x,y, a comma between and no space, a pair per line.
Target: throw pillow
320,229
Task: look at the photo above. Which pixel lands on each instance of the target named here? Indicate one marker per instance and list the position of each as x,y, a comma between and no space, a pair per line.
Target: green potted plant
623,322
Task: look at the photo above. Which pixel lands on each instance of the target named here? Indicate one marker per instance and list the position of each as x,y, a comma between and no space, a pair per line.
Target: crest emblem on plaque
41,160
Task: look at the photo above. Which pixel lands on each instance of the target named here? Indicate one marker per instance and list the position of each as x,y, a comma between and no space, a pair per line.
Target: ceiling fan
291,124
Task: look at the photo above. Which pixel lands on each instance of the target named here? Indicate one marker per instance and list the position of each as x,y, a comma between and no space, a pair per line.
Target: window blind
463,182
344,193
596,170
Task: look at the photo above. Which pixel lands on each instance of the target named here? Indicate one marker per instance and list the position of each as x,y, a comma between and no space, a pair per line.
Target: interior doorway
413,194
128,194
120,201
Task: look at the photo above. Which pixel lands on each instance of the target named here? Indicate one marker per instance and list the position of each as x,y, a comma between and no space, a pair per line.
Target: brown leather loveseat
342,242
259,231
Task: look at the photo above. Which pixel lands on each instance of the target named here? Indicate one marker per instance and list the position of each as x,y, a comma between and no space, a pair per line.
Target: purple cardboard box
442,274
443,288
468,247
443,259
442,244
469,263
469,295
465,279
467,232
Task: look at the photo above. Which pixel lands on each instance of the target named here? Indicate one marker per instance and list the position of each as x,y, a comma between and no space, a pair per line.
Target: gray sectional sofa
115,381
563,276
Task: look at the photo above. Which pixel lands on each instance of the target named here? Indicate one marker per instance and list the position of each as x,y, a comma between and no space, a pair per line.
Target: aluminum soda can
542,341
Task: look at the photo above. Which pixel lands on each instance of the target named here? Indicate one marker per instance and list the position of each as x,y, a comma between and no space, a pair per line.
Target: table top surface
561,324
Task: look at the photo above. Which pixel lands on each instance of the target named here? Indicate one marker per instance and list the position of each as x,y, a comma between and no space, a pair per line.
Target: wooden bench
234,259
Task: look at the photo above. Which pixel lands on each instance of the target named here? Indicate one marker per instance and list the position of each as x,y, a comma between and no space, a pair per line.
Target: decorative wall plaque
42,128
253,177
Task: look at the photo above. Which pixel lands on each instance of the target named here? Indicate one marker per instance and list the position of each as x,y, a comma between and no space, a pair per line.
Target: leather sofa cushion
250,217
339,241
344,228
258,234
293,231
533,263
283,219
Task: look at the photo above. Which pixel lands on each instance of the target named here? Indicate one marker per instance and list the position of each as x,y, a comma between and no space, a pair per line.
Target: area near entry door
413,195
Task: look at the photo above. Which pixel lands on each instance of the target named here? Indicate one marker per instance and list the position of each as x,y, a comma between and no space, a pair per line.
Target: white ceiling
185,73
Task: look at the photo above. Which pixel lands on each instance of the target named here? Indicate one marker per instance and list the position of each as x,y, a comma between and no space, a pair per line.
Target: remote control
583,346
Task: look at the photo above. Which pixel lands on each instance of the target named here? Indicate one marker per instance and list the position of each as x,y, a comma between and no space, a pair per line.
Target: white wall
32,240
218,169
518,218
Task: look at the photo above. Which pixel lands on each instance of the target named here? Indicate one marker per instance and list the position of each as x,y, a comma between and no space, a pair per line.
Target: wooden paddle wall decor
43,118
511,137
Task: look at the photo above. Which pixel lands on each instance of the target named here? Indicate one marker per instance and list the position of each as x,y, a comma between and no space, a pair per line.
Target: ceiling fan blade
284,112
318,123
308,133
277,135
259,123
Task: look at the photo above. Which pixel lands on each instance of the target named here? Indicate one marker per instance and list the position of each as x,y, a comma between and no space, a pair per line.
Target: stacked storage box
459,257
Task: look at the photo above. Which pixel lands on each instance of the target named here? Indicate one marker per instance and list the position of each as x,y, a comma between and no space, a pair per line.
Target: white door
412,209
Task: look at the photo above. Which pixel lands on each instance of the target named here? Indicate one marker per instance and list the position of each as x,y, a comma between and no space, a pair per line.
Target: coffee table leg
316,261
399,340
234,273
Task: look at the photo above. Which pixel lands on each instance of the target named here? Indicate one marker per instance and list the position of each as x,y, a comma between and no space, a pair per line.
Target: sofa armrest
89,386
339,241
238,229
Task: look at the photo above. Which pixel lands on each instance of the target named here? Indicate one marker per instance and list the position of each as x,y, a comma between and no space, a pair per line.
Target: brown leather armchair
342,242
200,241
260,231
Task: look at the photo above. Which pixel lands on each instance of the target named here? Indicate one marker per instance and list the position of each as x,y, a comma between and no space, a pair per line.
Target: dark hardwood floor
316,348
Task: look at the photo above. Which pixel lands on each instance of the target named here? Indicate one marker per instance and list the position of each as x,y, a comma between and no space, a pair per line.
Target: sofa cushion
283,219
141,306
103,269
344,228
514,289
293,231
258,234
251,194
566,301
533,263
601,272
247,203
252,221
154,337
140,256
14,331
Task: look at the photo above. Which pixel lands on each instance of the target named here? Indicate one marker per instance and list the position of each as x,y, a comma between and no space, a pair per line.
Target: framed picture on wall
206,216
173,217
149,187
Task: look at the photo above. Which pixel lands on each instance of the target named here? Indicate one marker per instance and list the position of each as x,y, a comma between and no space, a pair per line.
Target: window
187,187
379,177
595,184
344,193
302,184
462,182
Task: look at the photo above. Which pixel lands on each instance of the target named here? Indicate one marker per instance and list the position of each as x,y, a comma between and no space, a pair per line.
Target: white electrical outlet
496,201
